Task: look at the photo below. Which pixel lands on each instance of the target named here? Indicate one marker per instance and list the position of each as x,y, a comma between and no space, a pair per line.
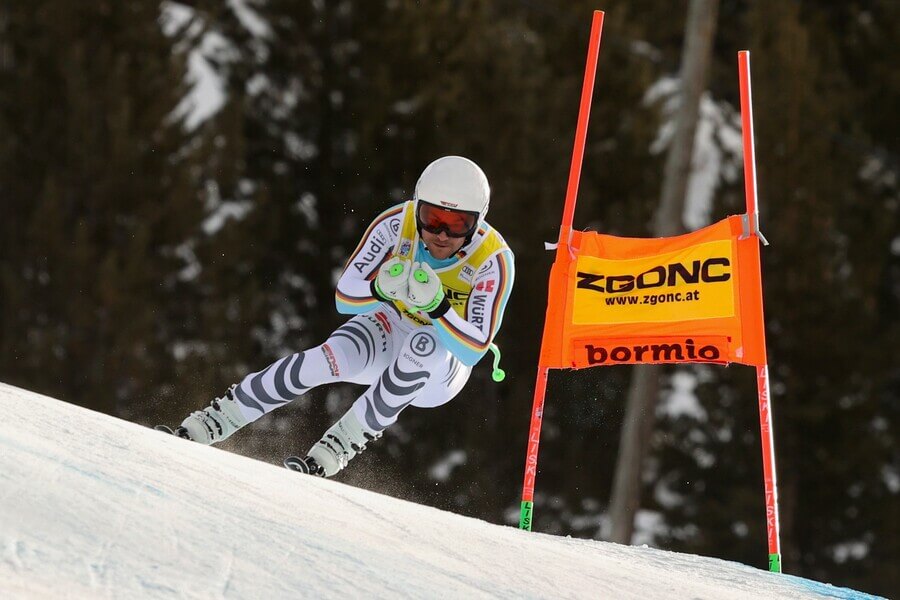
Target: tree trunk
644,389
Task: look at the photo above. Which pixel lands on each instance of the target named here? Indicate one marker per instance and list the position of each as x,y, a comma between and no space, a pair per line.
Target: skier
427,285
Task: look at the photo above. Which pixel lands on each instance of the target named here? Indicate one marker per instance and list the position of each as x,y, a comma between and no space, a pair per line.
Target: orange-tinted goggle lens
435,219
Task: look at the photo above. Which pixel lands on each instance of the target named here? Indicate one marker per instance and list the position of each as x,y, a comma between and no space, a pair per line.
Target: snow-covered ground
92,506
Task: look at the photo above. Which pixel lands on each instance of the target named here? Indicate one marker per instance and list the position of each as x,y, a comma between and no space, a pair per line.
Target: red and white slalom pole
762,373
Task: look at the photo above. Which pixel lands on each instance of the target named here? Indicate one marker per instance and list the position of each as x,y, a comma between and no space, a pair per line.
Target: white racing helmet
455,183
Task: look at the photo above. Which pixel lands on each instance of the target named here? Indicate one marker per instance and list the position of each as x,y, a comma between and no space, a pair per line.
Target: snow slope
92,506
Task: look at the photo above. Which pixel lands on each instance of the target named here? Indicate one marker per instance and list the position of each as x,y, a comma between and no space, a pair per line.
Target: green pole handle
497,374
396,270
421,276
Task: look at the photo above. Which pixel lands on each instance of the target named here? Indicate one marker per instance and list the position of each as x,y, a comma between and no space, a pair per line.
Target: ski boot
213,424
343,440
306,465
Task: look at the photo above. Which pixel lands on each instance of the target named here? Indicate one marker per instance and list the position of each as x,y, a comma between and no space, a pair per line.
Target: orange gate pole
565,237
762,372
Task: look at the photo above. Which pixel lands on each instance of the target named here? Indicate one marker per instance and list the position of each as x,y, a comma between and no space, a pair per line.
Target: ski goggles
455,223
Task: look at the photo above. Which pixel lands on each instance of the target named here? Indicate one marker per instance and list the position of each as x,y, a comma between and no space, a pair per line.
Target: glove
425,290
391,282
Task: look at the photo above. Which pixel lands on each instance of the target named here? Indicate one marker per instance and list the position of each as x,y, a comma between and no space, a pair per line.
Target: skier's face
440,245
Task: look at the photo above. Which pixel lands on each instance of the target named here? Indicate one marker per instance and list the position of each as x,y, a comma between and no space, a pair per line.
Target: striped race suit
404,358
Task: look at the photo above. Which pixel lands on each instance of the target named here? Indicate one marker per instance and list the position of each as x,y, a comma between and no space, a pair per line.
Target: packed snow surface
92,506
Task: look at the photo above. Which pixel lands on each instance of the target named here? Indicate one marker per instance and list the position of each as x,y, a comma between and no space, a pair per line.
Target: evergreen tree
834,421
96,201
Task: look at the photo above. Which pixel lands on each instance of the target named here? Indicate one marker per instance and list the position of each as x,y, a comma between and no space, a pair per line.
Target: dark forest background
159,240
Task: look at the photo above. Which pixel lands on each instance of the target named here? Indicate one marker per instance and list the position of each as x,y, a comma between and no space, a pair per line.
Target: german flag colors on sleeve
469,338
353,294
